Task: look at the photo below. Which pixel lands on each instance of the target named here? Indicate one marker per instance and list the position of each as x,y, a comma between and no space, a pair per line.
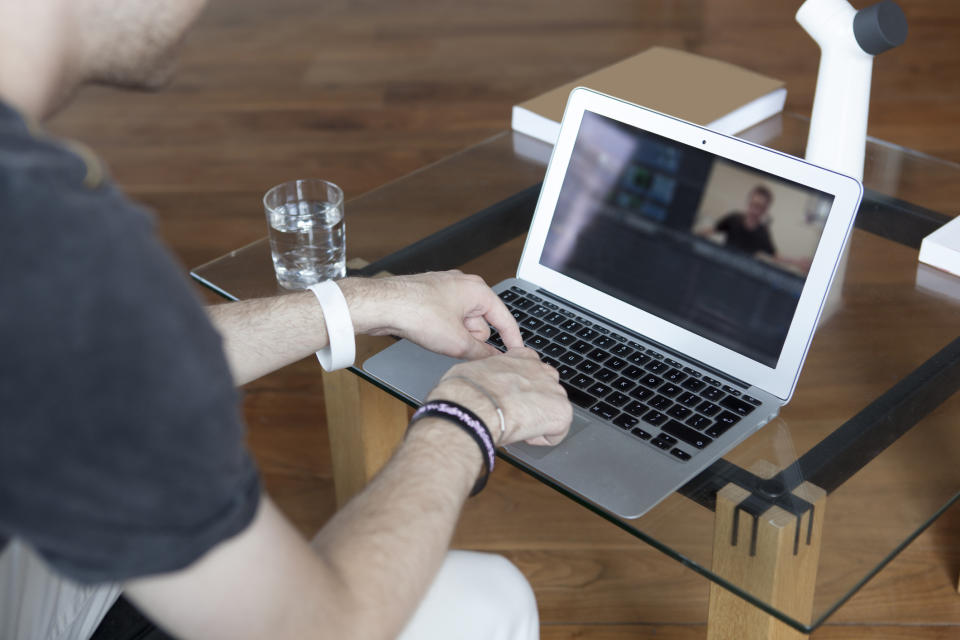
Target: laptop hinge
627,332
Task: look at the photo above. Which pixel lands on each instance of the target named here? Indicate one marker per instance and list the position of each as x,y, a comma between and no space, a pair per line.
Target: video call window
711,245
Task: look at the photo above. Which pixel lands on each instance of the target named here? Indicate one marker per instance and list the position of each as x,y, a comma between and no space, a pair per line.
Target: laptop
674,276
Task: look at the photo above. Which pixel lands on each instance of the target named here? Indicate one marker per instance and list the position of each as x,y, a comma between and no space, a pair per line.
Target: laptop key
708,408
688,399
537,343
712,393
599,390
617,399
587,333
679,412
657,367
571,325
553,318
554,350
539,311
547,331
532,323
752,400
497,341
636,409
680,454
564,338
670,389
663,442
728,418
604,410
522,303
566,372
624,384
661,403
621,351
604,342
616,363
581,346
605,375
598,354
717,430
693,384
654,417
736,405
675,375
550,361
640,433
639,358
625,421
641,393
578,396
570,358
588,366
633,371
507,296
651,381
698,421
581,381
518,315
691,436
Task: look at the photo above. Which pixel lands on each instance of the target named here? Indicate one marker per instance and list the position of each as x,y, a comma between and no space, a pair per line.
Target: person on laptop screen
122,455
749,231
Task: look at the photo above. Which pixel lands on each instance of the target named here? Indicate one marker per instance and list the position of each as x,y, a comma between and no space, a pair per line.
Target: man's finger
476,350
501,320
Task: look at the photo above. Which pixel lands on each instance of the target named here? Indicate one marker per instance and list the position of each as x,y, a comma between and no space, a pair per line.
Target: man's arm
371,565
446,312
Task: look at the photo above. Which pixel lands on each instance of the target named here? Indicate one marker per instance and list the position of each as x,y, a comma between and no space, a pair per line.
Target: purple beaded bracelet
469,422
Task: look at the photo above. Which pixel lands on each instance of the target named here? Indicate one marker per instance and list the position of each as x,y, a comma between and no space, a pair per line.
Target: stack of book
708,92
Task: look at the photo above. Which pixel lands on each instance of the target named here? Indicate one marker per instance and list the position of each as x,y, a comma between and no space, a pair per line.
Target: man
750,231
122,463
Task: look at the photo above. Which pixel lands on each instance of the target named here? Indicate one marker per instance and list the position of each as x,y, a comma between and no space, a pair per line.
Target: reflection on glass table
857,465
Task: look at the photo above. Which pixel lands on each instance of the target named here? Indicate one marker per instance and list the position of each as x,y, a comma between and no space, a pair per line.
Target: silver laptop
674,276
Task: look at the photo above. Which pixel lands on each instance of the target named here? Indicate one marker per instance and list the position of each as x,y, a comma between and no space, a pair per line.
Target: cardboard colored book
718,95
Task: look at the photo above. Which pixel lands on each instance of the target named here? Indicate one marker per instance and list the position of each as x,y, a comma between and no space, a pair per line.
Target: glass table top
873,417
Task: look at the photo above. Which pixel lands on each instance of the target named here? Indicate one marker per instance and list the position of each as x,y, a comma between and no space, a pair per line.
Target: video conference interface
711,245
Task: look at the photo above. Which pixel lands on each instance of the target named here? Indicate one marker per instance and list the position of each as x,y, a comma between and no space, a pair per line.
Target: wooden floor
365,91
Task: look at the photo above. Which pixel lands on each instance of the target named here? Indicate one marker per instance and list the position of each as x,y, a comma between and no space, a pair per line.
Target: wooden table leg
773,557
365,425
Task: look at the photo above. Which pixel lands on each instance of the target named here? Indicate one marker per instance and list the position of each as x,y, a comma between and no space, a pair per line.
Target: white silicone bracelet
341,349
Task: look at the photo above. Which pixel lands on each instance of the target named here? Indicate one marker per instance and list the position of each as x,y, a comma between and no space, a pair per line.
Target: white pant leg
476,596
37,603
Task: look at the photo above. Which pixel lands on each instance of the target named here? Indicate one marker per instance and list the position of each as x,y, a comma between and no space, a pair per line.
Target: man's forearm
388,543
263,335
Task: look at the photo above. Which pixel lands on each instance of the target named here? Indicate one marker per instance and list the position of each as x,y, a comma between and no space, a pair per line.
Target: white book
941,249
716,94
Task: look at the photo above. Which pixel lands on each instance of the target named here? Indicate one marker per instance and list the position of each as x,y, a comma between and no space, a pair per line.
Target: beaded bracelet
470,423
489,396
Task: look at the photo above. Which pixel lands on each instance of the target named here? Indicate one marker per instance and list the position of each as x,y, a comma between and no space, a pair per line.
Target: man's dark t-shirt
121,443
750,241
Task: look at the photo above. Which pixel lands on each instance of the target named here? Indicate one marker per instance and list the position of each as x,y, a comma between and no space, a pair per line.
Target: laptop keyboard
670,406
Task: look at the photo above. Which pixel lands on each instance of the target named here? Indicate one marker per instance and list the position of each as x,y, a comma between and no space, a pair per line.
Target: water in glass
307,242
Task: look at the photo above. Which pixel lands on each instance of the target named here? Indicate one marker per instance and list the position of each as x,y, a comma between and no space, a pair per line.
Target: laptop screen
710,245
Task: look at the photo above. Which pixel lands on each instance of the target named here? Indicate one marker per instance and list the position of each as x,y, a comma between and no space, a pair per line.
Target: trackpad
537,452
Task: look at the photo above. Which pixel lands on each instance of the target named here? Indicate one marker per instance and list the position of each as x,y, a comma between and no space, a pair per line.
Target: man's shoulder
50,187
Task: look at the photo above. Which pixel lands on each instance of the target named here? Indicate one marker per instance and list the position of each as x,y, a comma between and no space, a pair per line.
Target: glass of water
307,232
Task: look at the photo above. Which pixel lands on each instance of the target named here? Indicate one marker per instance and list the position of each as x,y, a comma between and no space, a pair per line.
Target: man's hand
446,312
534,405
